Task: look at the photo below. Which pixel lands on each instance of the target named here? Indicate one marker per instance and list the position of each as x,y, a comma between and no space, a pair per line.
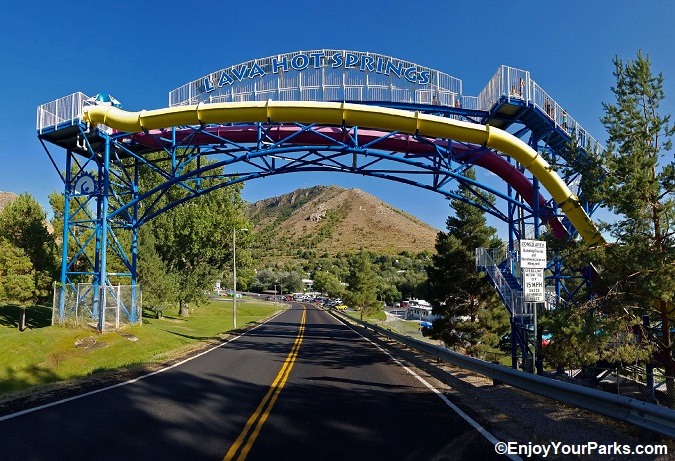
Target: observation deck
511,96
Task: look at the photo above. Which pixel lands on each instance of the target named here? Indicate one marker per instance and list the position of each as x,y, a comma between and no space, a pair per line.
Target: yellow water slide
328,113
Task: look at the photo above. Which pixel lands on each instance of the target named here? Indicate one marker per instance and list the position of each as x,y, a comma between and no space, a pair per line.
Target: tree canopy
193,240
23,226
472,316
361,291
637,268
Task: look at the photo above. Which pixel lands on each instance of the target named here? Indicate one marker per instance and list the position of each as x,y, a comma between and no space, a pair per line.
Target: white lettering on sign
301,61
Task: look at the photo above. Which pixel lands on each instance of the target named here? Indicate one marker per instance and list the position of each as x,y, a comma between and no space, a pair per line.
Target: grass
376,317
45,354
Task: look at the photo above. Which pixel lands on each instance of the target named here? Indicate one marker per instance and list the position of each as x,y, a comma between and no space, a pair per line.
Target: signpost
533,285
532,263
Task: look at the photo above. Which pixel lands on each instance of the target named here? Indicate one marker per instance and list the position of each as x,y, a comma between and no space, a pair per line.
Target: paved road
302,386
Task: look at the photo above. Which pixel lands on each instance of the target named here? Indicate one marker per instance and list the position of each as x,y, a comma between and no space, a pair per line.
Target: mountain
5,198
331,219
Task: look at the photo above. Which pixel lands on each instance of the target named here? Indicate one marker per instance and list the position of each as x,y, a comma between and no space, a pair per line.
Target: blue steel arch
442,162
316,165
117,157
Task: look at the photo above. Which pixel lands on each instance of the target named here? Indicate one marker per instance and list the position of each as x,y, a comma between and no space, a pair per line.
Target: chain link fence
632,381
78,306
406,327
661,391
629,380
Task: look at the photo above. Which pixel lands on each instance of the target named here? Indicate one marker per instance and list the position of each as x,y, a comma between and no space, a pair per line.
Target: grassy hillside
331,220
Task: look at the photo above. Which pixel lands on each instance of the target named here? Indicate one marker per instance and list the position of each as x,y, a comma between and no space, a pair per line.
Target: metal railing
490,259
487,259
641,414
517,85
325,75
470,102
508,82
67,109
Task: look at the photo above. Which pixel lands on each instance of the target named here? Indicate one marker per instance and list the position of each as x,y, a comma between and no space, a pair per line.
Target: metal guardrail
644,415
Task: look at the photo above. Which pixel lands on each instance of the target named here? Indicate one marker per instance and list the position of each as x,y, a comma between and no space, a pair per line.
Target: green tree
265,279
387,290
158,285
473,317
362,285
291,281
410,283
328,283
579,335
23,224
194,239
637,269
16,275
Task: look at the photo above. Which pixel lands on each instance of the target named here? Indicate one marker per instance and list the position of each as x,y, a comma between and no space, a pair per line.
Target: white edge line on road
491,438
131,381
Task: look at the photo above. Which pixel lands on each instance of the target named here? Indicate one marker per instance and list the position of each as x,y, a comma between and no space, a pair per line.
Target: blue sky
139,51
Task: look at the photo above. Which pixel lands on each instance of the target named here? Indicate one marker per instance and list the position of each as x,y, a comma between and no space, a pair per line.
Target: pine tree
637,269
17,278
23,225
473,317
362,285
16,275
641,191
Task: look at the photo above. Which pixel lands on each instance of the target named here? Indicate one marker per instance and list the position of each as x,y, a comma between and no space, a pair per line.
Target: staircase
497,264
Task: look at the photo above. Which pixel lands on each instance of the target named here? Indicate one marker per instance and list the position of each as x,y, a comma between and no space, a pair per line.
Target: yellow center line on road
258,418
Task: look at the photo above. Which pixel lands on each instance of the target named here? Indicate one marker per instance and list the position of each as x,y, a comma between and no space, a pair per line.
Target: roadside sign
533,285
533,254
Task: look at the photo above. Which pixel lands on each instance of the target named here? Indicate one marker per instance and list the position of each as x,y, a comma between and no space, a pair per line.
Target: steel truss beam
94,223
